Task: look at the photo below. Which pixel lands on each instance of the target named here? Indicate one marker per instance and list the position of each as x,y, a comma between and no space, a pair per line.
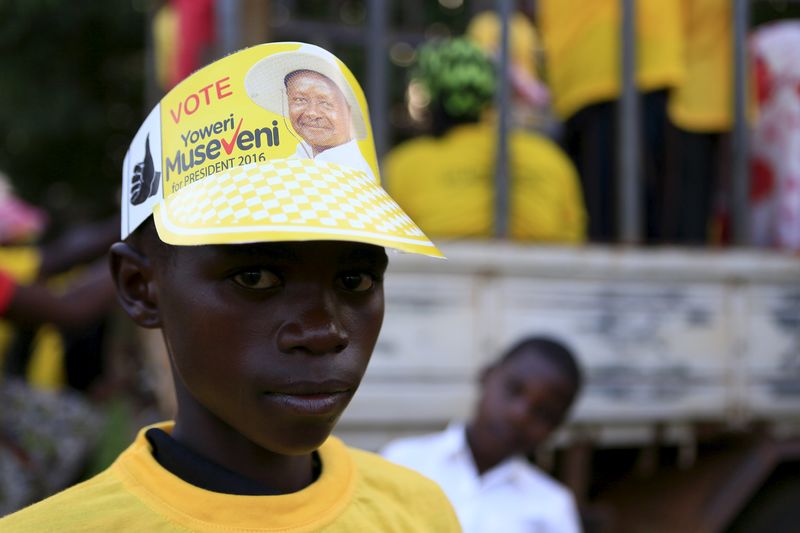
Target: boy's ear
132,272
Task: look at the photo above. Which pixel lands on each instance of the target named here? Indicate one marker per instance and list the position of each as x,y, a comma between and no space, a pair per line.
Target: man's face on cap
318,110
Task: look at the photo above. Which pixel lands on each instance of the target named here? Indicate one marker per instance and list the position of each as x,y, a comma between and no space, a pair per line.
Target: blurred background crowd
99,68
537,156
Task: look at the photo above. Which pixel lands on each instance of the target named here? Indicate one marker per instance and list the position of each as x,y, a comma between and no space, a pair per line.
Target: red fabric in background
7,286
195,35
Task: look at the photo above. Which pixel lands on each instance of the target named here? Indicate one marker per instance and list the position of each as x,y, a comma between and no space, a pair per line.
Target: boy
482,468
264,274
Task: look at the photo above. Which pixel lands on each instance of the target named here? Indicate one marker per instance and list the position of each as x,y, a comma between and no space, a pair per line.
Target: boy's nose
518,412
316,329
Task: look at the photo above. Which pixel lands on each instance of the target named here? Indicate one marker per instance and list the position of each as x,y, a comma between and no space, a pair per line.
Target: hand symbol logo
145,181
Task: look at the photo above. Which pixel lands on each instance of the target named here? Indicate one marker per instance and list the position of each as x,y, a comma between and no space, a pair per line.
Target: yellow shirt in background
46,365
583,49
21,263
446,185
356,491
485,30
703,101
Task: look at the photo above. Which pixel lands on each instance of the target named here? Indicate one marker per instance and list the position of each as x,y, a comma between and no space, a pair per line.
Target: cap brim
288,200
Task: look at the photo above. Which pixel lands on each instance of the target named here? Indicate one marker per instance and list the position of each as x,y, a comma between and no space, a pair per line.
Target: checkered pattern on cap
301,197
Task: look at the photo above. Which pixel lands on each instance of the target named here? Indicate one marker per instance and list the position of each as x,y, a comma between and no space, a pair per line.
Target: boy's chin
302,440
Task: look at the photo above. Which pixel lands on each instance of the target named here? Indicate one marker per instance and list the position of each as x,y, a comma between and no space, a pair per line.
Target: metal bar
229,33
377,74
503,101
740,187
629,195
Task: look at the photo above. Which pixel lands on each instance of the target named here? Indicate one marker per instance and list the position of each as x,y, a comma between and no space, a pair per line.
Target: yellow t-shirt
703,101
583,48
356,491
446,185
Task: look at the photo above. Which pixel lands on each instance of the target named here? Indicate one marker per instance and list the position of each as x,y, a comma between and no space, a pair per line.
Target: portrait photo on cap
270,143
308,89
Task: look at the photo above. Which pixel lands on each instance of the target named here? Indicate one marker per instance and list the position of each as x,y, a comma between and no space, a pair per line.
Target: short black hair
551,350
145,239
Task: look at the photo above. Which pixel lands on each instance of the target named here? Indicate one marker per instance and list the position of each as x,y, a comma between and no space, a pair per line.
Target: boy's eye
358,282
257,279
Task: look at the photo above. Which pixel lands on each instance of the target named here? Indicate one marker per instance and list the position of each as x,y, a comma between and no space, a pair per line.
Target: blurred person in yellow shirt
34,347
530,97
445,181
46,436
700,108
582,42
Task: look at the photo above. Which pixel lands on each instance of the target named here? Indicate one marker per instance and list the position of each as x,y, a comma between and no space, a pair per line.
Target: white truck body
668,337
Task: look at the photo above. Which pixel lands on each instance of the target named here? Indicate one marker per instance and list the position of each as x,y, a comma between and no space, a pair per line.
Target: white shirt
347,155
513,497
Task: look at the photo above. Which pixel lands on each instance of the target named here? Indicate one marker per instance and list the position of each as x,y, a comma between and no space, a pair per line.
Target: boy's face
271,340
523,400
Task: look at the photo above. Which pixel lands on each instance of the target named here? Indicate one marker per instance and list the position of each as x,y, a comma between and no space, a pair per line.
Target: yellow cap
271,143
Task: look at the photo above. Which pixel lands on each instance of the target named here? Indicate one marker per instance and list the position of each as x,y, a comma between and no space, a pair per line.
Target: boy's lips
311,398
326,403
310,388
